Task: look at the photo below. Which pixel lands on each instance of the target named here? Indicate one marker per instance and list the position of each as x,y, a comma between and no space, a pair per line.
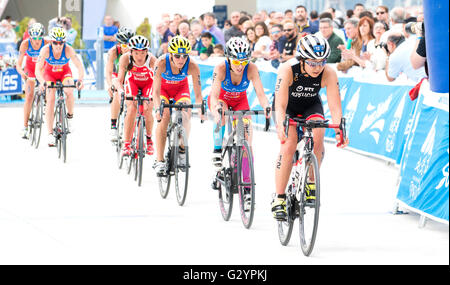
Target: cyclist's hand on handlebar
157,114
341,143
42,87
217,115
80,84
268,112
281,133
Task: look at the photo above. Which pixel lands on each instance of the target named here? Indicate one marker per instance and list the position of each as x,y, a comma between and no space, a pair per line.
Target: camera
383,46
414,27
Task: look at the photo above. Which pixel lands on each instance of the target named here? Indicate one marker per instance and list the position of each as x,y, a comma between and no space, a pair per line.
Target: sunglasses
275,32
380,13
239,62
287,30
315,63
36,38
57,43
177,56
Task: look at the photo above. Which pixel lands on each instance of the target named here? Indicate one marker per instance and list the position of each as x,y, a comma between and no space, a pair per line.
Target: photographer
397,62
71,32
419,54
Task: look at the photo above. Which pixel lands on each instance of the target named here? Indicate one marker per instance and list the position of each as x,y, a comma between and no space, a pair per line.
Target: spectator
288,14
418,56
368,14
257,18
196,29
278,17
397,62
193,41
397,16
251,37
375,49
226,25
301,19
357,9
71,33
7,33
332,16
349,14
339,32
275,48
173,27
165,35
210,25
314,16
177,18
382,13
326,29
117,24
246,25
218,51
263,41
289,41
365,35
109,31
353,48
183,28
235,30
207,45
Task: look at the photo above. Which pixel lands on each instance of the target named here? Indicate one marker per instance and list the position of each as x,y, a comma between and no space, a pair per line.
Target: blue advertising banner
424,173
10,82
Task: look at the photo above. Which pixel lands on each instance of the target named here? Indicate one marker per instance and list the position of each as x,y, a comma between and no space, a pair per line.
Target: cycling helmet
313,47
58,34
139,43
36,30
124,35
238,48
180,45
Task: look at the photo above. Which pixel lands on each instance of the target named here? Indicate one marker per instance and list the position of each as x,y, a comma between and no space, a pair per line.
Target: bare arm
22,51
284,80
112,55
123,62
43,54
194,71
253,75
218,77
417,61
159,69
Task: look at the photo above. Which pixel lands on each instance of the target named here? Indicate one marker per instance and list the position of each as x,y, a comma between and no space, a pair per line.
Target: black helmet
124,35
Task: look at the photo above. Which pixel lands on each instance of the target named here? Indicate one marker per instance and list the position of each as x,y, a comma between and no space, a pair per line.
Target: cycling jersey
304,98
235,96
175,86
32,58
116,61
139,78
57,69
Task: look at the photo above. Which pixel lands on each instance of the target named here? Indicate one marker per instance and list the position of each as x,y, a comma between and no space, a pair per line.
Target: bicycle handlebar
163,105
312,124
243,113
59,85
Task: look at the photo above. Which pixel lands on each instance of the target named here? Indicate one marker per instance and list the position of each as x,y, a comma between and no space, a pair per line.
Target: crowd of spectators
371,38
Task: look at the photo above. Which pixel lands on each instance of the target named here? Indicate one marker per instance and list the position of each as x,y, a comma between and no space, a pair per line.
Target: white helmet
313,47
124,35
238,48
139,43
36,30
58,34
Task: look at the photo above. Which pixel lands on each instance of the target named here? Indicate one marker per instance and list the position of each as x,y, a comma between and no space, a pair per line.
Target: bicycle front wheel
63,120
181,170
246,185
164,180
225,191
309,205
38,122
139,163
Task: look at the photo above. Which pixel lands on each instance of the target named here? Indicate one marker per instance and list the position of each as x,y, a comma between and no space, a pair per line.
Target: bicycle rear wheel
247,192
63,133
181,171
225,191
285,227
118,144
31,120
309,209
164,181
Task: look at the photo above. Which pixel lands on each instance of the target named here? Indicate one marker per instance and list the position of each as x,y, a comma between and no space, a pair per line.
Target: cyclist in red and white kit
30,48
138,65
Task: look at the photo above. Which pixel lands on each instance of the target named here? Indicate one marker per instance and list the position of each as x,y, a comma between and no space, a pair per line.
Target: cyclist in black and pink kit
297,94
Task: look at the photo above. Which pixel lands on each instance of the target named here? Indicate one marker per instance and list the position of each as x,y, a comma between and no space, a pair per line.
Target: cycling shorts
178,92
29,69
132,87
53,73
